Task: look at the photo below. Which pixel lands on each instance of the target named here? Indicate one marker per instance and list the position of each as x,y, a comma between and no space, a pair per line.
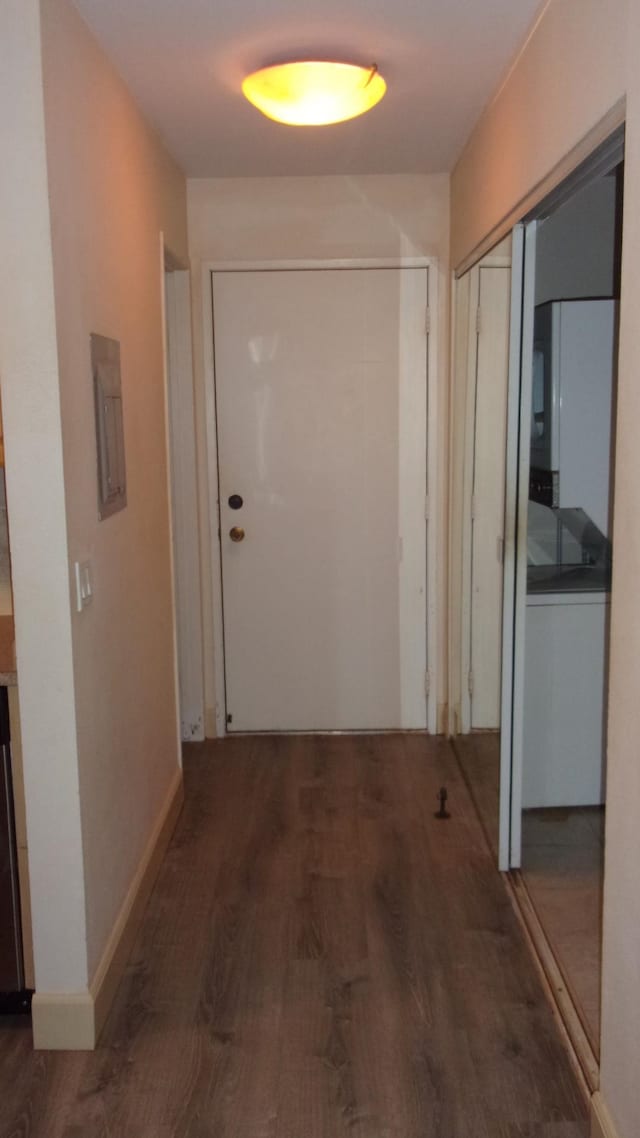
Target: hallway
320,957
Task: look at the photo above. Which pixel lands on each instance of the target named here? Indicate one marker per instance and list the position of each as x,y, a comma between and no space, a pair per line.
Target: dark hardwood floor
479,757
321,957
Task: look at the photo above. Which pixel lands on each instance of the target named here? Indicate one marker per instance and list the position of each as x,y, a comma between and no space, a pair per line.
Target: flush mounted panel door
321,393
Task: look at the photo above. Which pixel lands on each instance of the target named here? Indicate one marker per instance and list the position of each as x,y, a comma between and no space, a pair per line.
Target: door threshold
240,734
585,1061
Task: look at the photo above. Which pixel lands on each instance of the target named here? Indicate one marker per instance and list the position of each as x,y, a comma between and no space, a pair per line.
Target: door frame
604,156
181,458
432,504
489,261
510,531
515,558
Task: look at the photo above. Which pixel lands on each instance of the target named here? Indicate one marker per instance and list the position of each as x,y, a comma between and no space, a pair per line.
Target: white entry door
321,395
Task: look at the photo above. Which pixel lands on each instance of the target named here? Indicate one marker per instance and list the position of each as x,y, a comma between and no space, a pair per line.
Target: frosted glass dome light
314,93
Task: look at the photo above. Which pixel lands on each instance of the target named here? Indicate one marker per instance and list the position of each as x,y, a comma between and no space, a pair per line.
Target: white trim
184,503
520,598
211,430
63,1021
471,380
432,526
472,662
510,507
314,263
167,444
72,1021
453,655
602,1124
464,371
433,534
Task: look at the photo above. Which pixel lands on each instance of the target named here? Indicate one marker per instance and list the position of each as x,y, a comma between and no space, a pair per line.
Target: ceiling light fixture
314,93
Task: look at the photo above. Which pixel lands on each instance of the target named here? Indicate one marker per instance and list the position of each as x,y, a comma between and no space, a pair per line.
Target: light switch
84,584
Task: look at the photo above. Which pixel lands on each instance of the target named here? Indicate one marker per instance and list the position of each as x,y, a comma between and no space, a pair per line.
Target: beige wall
621,967
36,500
323,218
86,191
579,64
113,189
569,75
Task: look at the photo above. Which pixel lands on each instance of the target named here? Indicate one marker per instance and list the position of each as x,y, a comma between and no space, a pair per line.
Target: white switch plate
84,584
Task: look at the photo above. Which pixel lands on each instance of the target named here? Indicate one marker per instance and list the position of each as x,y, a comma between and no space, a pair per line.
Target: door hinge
427,321
473,507
478,320
427,507
470,683
427,682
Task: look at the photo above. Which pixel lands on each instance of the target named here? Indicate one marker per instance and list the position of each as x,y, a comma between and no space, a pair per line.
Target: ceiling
184,61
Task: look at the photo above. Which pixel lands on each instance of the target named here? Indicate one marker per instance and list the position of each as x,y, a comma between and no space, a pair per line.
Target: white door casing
515,558
487,494
184,499
458,615
481,378
510,543
321,406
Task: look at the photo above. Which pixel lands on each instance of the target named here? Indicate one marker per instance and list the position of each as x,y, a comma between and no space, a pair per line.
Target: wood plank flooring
321,957
562,869
479,757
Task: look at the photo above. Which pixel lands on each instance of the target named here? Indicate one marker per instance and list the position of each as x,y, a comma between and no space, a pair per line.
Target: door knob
236,533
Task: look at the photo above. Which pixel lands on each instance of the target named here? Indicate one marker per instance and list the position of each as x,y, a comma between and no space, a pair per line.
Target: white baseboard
601,1122
73,1021
63,1021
